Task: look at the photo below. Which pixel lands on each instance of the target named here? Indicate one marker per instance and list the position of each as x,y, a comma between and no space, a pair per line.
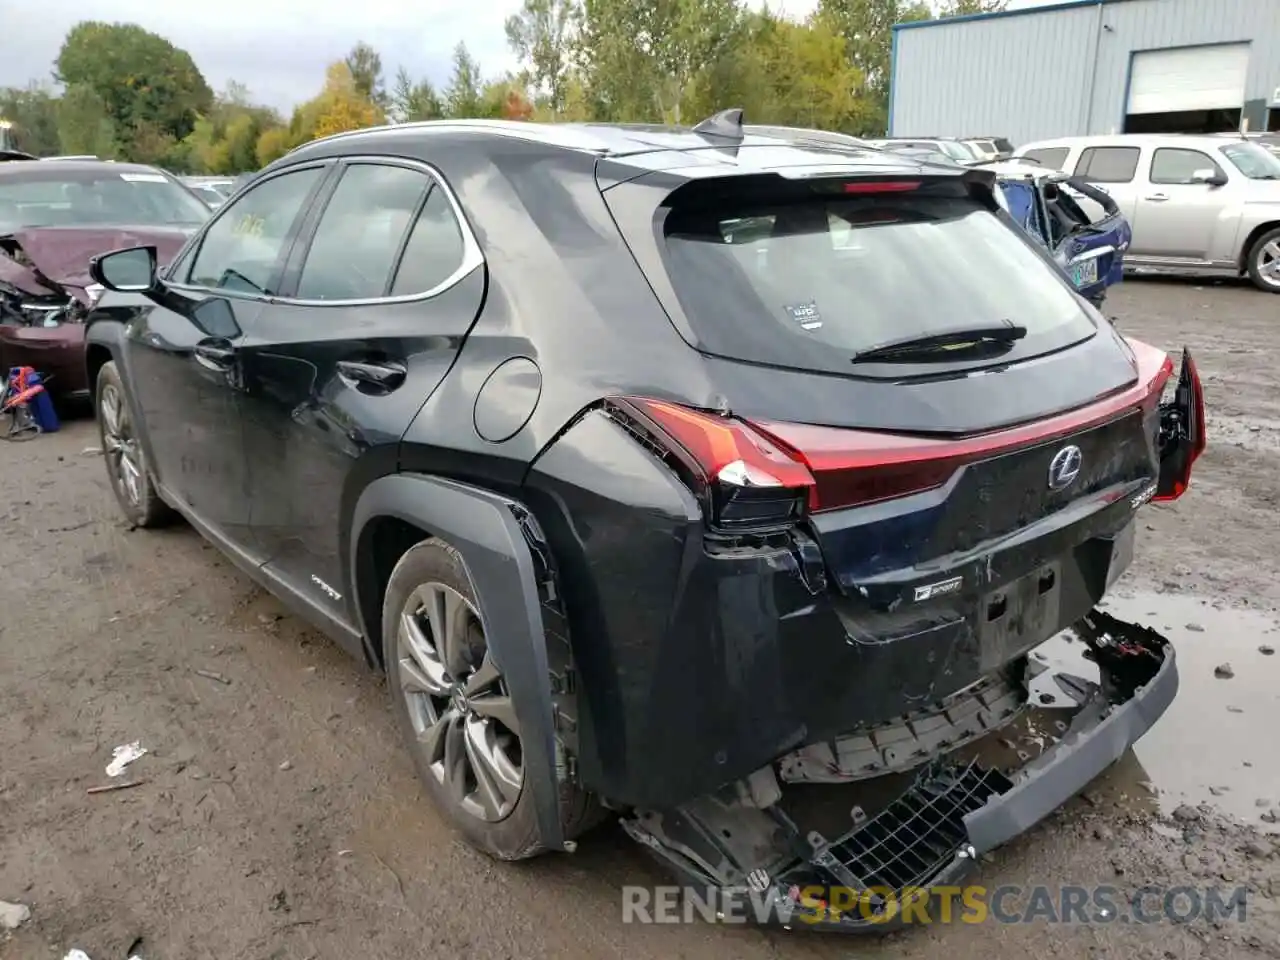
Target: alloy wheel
1268,263
120,446
462,715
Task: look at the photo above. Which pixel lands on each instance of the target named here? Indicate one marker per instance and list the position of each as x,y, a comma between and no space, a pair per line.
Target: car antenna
725,125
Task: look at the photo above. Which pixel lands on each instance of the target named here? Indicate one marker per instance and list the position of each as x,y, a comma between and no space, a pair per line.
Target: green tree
341,106
33,111
83,124
272,145
505,99
225,140
643,58
412,101
542,35
960,8
464,96
365,64
867,26
149,89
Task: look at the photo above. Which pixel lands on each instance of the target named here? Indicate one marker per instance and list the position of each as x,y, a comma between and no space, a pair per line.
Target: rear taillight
763,473
745,480
1182,435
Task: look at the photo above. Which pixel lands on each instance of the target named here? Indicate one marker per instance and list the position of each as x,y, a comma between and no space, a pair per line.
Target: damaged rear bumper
931,834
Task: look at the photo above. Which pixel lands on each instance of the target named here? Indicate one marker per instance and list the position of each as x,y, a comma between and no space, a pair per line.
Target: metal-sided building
1089,67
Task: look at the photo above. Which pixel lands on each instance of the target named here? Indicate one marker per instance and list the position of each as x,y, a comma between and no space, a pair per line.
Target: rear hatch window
810,282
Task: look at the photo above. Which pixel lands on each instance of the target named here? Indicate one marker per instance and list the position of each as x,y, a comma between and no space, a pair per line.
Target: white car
1201,205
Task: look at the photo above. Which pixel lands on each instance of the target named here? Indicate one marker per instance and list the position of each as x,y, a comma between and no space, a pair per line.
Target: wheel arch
392,514
102,341
1247,247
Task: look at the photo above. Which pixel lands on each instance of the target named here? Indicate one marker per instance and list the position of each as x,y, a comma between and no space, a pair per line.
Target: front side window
808,284
244,249
1177,165
361,232
1108,164
1255,162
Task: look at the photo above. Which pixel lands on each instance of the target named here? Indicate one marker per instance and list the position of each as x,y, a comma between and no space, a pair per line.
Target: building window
1108,164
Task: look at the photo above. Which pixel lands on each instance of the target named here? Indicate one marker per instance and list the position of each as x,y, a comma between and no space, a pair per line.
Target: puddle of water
1215,744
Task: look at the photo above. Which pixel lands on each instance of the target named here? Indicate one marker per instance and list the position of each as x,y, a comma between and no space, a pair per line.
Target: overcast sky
279,48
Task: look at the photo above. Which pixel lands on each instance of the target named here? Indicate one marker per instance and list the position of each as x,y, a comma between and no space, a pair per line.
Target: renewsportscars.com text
940,904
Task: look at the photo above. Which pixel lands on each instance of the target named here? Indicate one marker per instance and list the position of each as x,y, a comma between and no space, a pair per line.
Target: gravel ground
279,817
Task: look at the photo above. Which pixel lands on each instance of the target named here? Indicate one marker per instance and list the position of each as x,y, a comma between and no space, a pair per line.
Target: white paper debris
124,755
76,955
13,915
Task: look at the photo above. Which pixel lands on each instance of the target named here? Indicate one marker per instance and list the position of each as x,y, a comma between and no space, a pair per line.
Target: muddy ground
279,817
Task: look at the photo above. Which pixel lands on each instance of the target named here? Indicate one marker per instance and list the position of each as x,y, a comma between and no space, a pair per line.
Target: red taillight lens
767,472
747,479
1189,435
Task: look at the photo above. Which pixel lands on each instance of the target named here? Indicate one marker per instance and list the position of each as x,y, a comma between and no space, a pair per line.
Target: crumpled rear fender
485,528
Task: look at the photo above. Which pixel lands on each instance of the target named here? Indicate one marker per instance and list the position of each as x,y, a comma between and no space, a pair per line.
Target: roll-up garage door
1194,78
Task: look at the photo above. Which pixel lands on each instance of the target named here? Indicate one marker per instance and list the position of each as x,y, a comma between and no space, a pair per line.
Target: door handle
1157,197
215,354
382,375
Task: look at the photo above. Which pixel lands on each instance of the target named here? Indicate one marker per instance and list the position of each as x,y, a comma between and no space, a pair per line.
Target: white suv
1206,205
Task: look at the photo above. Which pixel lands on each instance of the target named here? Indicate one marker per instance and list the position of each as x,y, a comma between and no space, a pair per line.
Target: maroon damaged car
53,218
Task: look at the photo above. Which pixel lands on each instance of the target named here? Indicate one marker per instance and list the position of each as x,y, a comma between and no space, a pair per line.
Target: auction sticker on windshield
144,177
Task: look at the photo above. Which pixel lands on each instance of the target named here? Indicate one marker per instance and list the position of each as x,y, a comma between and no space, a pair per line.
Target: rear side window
1177,165
1054,158
810,283
360,233
434,251
1108,164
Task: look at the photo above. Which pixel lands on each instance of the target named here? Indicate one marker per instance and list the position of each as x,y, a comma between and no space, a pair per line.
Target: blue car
1043,202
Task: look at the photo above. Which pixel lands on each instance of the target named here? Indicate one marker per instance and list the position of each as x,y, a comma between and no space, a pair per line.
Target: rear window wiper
942,346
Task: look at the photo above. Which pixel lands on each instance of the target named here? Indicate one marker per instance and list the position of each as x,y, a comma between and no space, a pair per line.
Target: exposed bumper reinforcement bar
932,834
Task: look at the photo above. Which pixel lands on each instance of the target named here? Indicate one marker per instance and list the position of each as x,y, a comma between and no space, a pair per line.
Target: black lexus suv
663,469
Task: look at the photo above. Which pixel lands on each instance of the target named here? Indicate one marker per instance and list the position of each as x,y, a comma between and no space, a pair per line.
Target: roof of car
638,145
1129,140
803,133
604,139
46,170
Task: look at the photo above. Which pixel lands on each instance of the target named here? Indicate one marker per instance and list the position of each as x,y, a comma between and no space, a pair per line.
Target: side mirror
1209,177
126,271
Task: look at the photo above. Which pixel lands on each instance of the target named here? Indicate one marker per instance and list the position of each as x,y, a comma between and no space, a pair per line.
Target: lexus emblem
1065,467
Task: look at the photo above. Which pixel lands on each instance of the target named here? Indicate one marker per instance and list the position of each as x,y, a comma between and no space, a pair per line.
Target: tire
452,732
1265,276
122,451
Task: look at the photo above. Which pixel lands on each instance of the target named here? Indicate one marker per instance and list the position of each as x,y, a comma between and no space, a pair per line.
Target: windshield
55,197
958,151
810,284
1253,161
